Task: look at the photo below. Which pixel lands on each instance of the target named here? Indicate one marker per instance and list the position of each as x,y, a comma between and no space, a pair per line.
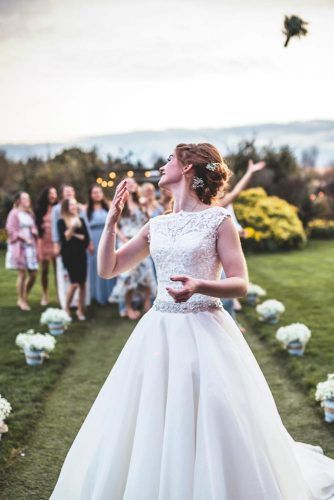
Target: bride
186,413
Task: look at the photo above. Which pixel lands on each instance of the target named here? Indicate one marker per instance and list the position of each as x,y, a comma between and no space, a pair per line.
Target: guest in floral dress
96,214
22,247
141,278
46,200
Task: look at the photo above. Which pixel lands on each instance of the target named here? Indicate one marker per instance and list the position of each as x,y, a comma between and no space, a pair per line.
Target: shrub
270,223
320,228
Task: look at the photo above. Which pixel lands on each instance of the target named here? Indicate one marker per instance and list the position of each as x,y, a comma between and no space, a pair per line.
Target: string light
104,184
110,184
99,180
130,173
112,175
147,174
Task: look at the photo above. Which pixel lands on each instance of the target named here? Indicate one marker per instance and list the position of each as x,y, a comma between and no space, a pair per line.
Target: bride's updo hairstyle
211,172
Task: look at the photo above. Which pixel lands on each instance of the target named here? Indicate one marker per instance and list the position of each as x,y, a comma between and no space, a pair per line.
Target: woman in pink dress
22,247
46,200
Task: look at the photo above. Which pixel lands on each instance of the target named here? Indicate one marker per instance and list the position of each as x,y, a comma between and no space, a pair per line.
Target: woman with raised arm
186,413
233,305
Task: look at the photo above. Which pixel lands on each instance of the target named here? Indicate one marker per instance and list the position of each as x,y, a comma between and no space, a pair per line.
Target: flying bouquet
294,26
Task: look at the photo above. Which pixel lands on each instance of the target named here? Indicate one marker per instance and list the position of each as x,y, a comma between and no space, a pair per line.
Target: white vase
296,348
252,299
3,428
56,328
272,320
34,358
329,410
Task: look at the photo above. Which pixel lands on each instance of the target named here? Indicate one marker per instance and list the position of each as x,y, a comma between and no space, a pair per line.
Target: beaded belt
184,307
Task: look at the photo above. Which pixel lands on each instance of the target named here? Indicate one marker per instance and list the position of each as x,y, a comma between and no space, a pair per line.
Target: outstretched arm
242,184
111,262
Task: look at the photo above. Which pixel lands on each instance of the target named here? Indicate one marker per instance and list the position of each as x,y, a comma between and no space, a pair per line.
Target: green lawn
50,402
26,387
304,281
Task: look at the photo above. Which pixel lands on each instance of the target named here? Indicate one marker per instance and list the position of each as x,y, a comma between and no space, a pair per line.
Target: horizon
146,145
169,129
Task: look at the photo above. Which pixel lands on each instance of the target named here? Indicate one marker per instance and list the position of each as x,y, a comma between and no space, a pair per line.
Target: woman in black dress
74,240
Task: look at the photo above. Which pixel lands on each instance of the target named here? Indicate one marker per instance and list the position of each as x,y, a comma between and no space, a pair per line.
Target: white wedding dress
186,413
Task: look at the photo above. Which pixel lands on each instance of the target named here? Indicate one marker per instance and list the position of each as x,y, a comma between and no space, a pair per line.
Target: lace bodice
184,243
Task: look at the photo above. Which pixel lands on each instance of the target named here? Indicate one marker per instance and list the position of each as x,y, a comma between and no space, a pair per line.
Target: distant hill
148,145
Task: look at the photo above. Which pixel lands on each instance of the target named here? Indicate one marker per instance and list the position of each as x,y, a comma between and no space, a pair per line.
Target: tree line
311,190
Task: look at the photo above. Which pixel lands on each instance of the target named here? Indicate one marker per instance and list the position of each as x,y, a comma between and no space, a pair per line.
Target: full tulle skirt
186,414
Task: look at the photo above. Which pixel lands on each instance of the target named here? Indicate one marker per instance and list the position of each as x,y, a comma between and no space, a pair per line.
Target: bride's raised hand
255,167
118,202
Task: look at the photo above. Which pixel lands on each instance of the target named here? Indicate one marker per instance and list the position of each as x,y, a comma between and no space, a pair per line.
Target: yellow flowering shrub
269,222
320,228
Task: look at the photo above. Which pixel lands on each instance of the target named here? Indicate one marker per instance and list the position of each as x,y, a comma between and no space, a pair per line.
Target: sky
71,68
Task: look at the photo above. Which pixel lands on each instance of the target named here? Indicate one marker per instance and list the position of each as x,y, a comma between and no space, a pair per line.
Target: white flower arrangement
296,332
269,308
255,290
212,166
35,341
325,390
55,315
5,408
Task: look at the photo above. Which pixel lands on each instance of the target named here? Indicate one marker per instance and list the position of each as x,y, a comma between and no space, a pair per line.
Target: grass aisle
34,475
303,281
303,421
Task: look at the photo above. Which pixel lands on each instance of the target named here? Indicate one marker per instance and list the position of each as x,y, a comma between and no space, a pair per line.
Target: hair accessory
197,182
212,166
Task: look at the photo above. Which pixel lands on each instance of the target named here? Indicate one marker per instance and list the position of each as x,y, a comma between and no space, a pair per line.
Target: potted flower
56,319
294,337
325,394
253,294
36,346
270,310
5,409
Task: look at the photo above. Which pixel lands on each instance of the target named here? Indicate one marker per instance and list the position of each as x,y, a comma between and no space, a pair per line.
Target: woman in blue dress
97,210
